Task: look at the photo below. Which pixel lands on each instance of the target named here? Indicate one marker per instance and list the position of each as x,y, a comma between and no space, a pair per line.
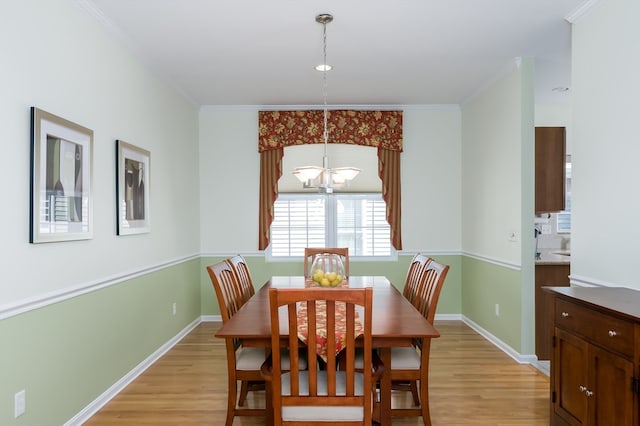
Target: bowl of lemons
327,270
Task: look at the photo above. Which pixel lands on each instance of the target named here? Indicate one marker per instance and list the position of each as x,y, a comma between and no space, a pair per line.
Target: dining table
395,323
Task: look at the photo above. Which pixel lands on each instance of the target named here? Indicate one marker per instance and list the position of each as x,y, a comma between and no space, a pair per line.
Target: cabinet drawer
610,332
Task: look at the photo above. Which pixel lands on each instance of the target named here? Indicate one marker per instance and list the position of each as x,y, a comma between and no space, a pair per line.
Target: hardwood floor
471,383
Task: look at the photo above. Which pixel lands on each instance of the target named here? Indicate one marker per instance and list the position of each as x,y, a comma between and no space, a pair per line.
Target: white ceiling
263,52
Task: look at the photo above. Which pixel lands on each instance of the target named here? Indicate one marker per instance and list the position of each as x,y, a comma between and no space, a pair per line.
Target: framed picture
61,179
132,187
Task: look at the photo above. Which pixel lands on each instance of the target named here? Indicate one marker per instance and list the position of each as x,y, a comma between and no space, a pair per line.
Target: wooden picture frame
61,202
132,189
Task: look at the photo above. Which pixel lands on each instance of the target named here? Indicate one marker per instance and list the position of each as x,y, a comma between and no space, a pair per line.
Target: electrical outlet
546,229
19,403
512,236
174,308
497,309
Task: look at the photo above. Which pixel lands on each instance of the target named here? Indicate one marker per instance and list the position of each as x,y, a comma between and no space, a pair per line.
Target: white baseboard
519,358
211,318
543,366
117,387
448,317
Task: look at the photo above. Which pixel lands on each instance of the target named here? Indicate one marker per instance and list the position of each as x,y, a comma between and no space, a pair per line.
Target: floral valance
378,129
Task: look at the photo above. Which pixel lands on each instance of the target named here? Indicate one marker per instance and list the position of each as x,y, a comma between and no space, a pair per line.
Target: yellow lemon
338,278
331,276
325,282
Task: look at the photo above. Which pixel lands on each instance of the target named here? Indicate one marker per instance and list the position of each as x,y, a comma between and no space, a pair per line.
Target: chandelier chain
325,87
325,178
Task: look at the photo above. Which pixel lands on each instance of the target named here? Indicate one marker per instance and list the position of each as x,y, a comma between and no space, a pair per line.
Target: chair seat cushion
326,413
402,358
252,359
405,358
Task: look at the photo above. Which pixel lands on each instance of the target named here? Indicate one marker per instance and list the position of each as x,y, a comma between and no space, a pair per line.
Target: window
564,217
357,221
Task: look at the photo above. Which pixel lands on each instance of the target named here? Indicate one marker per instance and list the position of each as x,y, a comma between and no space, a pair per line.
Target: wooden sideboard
595,359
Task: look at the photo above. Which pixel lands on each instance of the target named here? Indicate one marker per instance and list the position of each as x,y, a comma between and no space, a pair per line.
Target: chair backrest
433,276
414,276
326,394
226,287
311,252
239,265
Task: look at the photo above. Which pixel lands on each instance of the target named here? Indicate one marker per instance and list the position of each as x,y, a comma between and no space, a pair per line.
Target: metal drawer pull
612,333
565,314
589,393
582,388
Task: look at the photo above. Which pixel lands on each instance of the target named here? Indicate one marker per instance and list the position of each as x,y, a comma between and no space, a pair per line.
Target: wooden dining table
395,323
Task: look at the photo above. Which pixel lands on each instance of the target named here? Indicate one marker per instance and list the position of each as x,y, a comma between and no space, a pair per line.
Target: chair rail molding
40,301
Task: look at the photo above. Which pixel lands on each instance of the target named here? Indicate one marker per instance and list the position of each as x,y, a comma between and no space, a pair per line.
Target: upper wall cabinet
550,169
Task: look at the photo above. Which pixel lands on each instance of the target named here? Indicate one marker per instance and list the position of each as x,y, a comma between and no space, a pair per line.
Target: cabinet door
570,377
611,401
550,158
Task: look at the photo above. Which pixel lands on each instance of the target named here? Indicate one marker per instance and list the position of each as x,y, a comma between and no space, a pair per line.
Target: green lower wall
486,284
67,354
262,270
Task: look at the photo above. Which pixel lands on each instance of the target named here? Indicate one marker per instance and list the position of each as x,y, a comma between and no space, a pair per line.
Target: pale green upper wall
606,92
57,57
491,171
229,178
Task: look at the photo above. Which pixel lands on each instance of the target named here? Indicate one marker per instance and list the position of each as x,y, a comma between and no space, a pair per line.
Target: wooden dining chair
409,367
412,280
311,252
243,364
321,396
245,284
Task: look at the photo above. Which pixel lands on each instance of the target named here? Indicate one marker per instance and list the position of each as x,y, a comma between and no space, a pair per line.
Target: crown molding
581,11
416,107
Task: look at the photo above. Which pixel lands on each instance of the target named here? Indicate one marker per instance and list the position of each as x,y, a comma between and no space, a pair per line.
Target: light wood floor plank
471,383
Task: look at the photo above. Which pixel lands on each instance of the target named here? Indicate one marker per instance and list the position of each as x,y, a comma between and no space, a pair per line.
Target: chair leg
413,385
231,400
424,408
244,391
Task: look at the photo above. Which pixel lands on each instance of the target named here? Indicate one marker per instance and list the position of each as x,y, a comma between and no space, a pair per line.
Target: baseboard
519,358
211,318
448,317
117,387
543,366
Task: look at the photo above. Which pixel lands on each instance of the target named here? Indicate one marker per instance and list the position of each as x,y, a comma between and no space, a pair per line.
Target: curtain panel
378,129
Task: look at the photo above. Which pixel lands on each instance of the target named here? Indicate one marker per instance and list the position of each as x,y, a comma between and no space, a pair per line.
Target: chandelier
325,178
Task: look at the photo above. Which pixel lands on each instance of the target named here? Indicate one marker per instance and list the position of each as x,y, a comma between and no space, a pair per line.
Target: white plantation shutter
357,221
298,223
361,225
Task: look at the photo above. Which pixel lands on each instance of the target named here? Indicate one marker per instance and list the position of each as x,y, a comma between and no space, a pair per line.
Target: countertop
554,257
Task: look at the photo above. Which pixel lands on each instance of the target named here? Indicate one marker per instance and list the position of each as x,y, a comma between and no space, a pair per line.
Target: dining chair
410,365
243,364
412,280
245,284
311,252
321,396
